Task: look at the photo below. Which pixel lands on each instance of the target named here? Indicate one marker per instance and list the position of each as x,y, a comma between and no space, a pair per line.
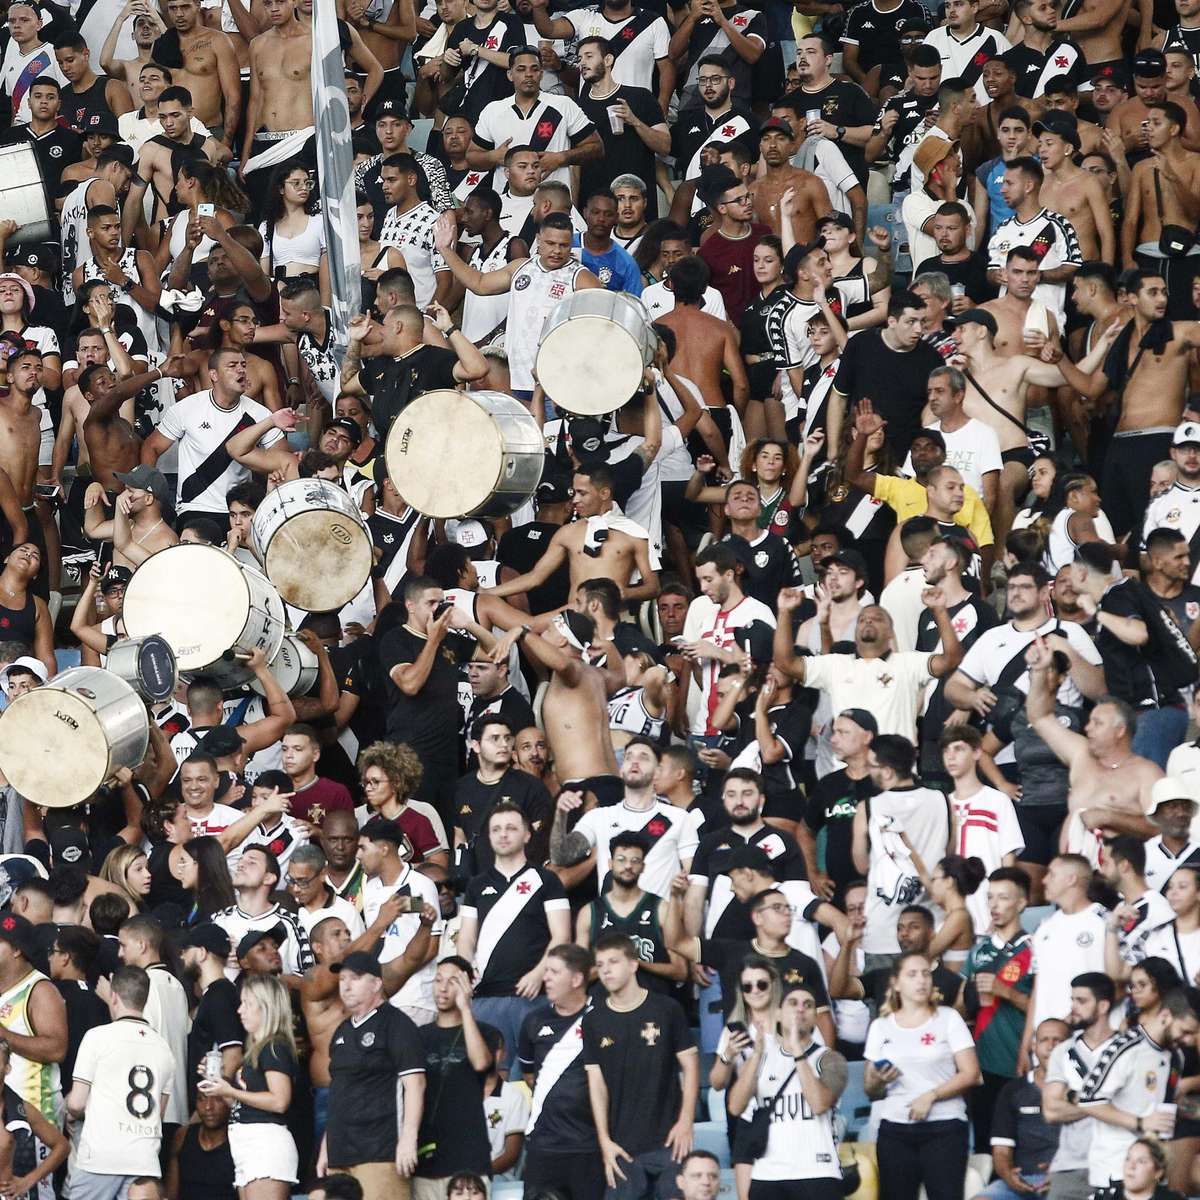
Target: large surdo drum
23,195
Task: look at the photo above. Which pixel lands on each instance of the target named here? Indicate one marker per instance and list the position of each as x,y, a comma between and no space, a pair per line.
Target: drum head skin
319,560
445,455
196,597
52,748
589,366
156,673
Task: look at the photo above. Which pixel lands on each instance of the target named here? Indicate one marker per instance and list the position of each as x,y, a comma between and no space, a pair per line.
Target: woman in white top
199,182
1078,520
293,234
1178,941
799,1081
920,1063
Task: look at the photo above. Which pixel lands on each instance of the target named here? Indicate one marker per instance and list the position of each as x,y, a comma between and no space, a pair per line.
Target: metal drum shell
23,196
593,349
209,606
313,543
124,659
63,740
295,667
465,454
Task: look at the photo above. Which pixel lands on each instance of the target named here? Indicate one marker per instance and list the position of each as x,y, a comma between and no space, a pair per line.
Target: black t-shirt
796,970
516,907
216,1023
1185,607
164,887
364,1062
473,800
844,103
520,549
910,110
1140,675
275,1056
1018,1121
430,720
971,273
946,986
396,382
894,381
624,153
484,81
769,565
831,806
564,1123
85,1010
452,1120
876,34
636,1053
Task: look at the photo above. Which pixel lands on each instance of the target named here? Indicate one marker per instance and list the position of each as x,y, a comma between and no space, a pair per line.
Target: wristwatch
841,132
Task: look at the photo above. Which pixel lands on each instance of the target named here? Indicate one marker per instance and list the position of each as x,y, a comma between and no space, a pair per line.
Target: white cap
469,533
1166,789
1189,431
28,663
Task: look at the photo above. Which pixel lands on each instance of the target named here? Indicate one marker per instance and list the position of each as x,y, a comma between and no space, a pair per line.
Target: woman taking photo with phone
790,1136
920,1064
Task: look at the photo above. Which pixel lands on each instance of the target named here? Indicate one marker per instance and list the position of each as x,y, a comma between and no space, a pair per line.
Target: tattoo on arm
567,849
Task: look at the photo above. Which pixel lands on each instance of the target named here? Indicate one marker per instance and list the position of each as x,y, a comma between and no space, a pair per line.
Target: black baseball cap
208,936
912,25
747,858
841,219
862,718
976,316
276,934
1150,64
104,123
776,125
221,741
1061,124
553,489
852,559
391,108
1117,74
115,577
360,962
352,429
757,638
587,436
17,931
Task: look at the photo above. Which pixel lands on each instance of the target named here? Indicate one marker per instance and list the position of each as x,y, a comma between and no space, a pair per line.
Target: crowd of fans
809,753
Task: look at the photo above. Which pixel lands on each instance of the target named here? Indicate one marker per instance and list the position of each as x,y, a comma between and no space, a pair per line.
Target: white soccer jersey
707,621
1070,1063
296,953
18,72
800,1143
553,123
129,1068
1131,1073
667,828
986,827
659,299
411,233
1052,238
1065,945
960,56
635,43
1177,508
534,291
201,428
417,991
787,328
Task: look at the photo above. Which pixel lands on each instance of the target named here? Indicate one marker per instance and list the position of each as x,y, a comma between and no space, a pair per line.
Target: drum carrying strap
238,714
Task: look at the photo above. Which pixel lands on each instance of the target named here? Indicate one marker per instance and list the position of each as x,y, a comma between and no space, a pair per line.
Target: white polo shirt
890,688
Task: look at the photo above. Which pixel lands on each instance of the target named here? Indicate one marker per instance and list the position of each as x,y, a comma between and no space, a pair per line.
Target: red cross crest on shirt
523,888
980,58
493,42
927,1039
741,21
627,33
960,624
473,178
545,129
1060,60
728,131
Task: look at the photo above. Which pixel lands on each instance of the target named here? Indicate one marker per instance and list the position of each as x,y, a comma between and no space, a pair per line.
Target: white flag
335,156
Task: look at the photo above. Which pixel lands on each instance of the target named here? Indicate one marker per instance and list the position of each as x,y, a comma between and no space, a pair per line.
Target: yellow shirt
907,497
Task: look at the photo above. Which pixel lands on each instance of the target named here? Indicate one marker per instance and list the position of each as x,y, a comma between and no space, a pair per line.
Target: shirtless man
615,557
1178,175
575,711
241,21
1127,120
20,440
112,443
160,157
777,144
280,84
1109,784
1061,95
1071,190
330,940
1097,26
1153,397
137,527
1020,276
704,345
387,37
1006,378
110,260
209,71
147,26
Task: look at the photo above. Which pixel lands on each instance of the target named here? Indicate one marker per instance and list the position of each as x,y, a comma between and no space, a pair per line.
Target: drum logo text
340,533
66,719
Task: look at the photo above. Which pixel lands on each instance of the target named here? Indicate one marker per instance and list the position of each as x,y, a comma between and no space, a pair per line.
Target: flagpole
335,173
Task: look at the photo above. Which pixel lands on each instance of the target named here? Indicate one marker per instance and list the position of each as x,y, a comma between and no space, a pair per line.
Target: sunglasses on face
755,985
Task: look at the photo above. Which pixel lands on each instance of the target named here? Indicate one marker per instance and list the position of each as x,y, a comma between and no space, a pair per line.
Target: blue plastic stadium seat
855,1104
507,1189
713,1137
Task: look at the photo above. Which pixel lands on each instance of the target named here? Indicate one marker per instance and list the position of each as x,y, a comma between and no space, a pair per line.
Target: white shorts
262,1151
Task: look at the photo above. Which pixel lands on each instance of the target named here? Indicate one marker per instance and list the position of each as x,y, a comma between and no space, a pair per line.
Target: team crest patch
522,283
368,1040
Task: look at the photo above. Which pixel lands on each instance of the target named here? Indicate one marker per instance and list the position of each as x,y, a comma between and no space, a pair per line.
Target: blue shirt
991,175
615,269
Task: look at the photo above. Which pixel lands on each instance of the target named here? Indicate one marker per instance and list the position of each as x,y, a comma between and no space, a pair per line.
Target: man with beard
944,565
1178,508
1168,572
955,260
147,25
208,69
1043,53
669,830
701,129
905,117
531,755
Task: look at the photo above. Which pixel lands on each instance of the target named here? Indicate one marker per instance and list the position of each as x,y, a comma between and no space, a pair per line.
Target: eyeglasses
744,198
293,882
247,320
373,782
756,985
710,80
779,908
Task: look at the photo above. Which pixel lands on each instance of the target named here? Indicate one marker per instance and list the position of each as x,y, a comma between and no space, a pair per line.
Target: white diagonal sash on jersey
727,131
1061,59
986,49
562,1054
502,914
467,184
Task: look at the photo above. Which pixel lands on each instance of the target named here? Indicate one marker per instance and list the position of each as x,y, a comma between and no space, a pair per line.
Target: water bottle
213,1064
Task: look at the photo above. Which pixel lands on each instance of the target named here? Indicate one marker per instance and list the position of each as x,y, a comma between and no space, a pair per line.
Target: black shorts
1019,454
786,806
1040,825
608,789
